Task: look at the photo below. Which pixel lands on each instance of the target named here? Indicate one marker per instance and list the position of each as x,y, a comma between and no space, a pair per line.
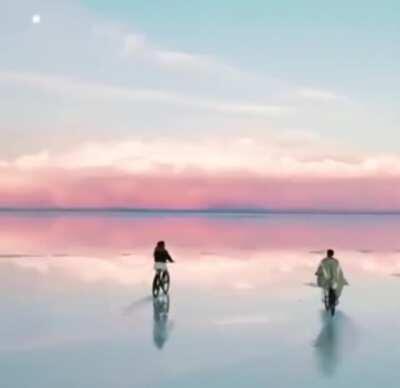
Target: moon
36,19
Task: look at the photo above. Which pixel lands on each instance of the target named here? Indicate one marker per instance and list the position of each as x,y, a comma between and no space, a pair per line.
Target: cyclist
161,257
330,275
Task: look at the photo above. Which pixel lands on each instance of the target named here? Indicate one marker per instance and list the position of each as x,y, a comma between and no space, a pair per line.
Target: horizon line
252,211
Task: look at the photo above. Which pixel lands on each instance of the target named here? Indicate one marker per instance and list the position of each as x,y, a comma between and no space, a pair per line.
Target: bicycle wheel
156,285
332,301
165,281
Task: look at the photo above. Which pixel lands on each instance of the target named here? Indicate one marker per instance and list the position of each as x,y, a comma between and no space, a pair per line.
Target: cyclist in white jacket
330,275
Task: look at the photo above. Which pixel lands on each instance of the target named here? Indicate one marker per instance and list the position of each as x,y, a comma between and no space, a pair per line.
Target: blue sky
276,51
305,39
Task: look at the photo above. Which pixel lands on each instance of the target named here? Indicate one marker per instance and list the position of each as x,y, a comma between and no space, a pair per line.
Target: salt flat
243,310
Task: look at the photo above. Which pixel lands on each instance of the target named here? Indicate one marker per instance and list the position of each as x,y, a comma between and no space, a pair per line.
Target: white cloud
264,156
83,89
319,95
80,89
270,110
196,63
136,46
176,58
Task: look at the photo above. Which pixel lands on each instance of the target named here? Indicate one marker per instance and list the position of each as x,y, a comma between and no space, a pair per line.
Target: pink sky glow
194,190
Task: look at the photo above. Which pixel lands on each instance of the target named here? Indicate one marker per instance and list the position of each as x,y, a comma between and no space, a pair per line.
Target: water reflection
161,325
336,338
60,306
83,233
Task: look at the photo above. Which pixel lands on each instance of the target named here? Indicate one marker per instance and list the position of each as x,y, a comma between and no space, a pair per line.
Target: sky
256,104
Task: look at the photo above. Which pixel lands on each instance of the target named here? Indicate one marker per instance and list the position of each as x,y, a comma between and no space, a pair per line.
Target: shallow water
243,309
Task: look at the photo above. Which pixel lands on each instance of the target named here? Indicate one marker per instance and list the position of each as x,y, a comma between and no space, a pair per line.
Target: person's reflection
336,337
161,326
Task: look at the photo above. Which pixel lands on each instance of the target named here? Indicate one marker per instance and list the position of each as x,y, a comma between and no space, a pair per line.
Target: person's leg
156,274
338,291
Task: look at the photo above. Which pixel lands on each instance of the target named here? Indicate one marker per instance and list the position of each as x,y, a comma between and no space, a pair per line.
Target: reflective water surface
76,308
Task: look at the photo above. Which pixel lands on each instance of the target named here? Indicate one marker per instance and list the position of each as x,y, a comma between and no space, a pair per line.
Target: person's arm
341,274
169,258
319,270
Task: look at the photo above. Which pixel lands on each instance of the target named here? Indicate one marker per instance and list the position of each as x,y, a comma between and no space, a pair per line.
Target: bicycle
330,301
162,282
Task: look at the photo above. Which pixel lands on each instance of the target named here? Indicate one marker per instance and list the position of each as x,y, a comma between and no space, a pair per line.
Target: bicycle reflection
337,337
161,324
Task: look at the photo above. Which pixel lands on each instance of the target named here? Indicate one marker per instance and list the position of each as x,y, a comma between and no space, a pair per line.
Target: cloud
86,90
177,58
268,110
137,47
80,89
289,154
320,95
212,173
262,155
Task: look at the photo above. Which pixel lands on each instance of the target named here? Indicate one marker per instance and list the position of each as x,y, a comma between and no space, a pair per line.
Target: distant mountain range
248,211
